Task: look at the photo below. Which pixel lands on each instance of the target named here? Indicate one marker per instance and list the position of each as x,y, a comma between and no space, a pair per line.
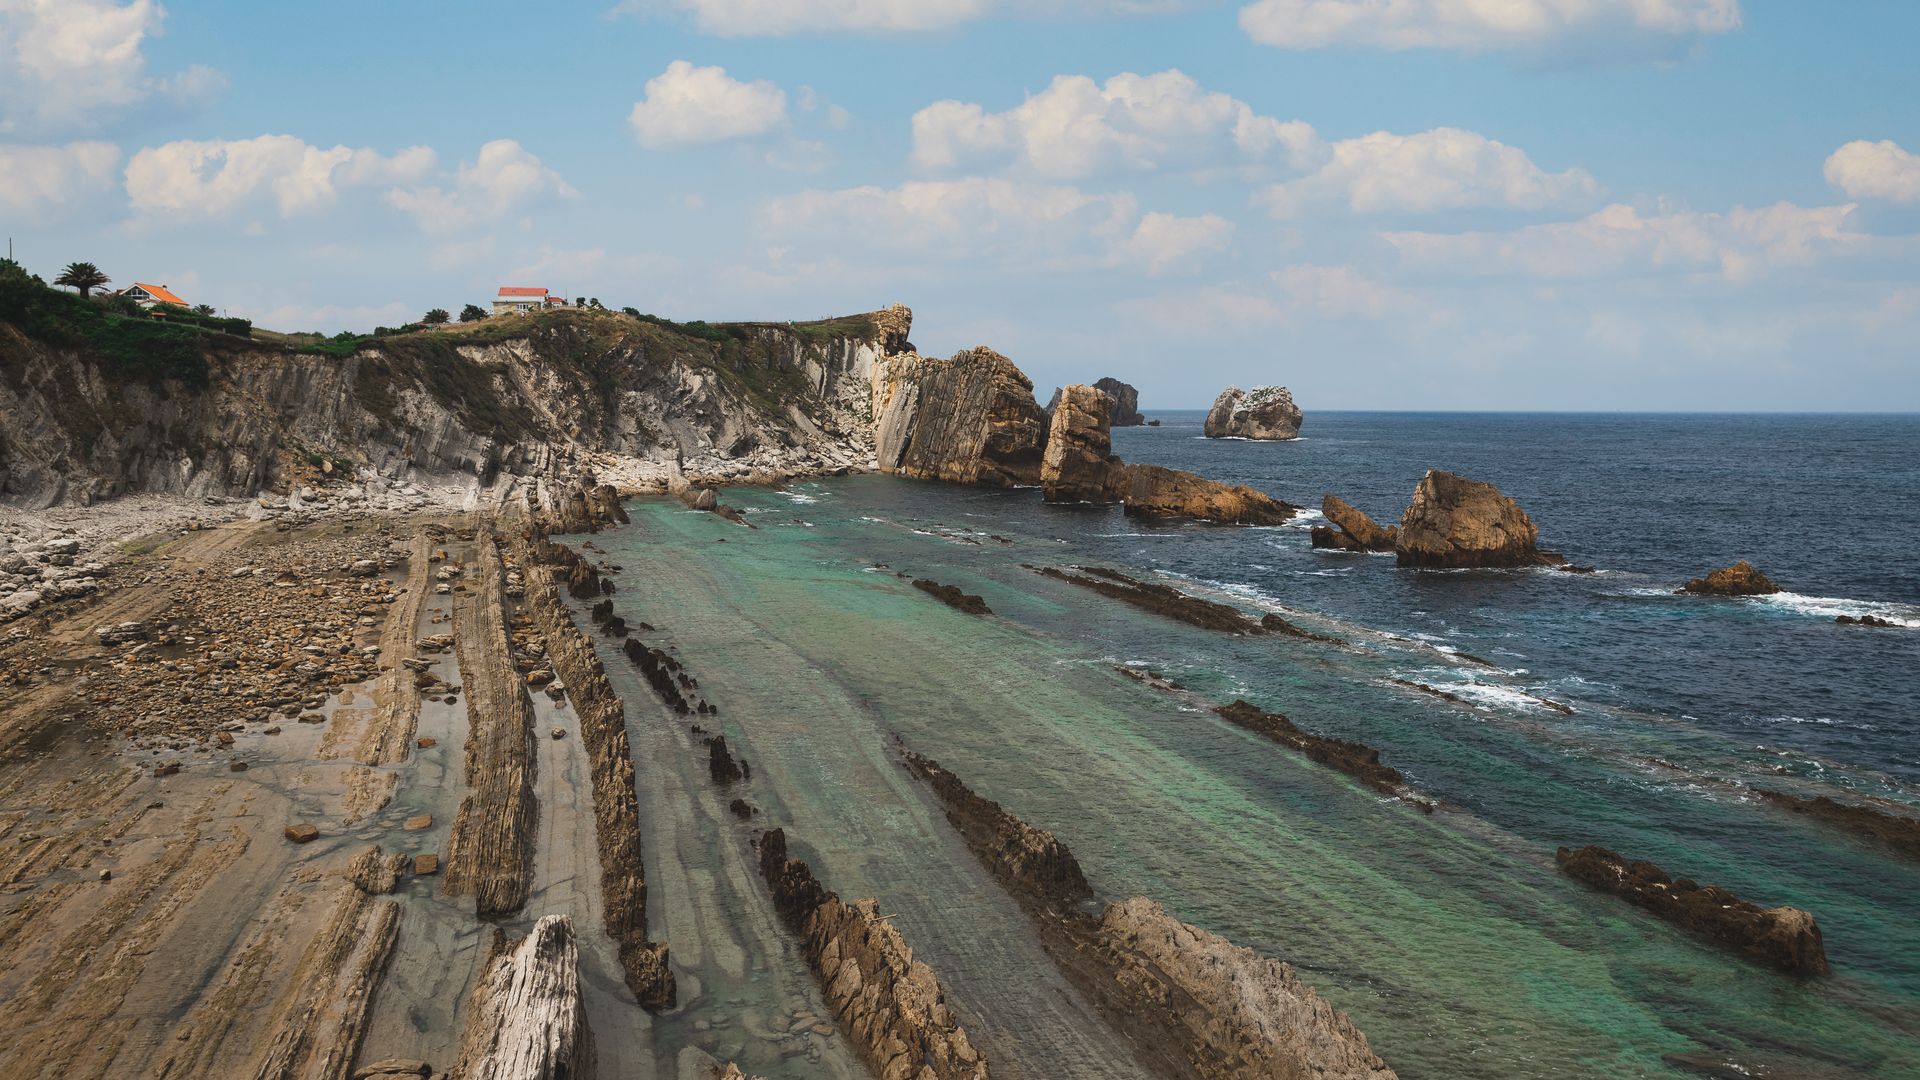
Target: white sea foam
1829,607
801,498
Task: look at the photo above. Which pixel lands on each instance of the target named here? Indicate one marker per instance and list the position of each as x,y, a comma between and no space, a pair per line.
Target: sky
1382,204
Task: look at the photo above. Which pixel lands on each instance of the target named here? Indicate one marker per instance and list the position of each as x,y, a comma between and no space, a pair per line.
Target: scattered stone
424,865
303,833
1866,620
236,766
418,822
559,733
426,742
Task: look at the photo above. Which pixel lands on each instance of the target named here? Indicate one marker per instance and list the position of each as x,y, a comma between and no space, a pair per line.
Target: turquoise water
1451,939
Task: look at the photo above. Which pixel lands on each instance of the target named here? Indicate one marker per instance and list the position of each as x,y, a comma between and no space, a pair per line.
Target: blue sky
1512,204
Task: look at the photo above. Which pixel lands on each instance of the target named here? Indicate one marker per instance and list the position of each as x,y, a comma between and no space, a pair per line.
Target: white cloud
757,18
1000,220
687,104
1442,169
1870,170
1164,242
1620,240
502,177
1341,292
1076,127
212,177
75,63
39,182
1476,25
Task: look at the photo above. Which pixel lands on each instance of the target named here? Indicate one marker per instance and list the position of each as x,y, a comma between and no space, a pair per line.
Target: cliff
474,407
970,420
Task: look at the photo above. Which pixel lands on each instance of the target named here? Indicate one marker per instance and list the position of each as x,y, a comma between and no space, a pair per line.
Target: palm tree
203,309
83,276
436,317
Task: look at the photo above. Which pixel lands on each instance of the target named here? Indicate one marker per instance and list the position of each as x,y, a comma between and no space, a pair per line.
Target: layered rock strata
891,1005
1264,413
603,728
1159,599
1740,579
1785,937
1156,492
1454,522
525,1020
1078,465
1898,831
1350,529
951,596
969,420
1358,760
490,848
1191,1003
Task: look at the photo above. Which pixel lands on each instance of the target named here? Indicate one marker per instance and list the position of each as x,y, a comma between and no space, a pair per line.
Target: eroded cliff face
476,410
971,419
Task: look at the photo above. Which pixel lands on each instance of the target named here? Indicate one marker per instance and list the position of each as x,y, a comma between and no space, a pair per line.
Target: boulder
1126,402
1740,579
1351,529
1265,412
1456,522
1078,465
302,833
1151,491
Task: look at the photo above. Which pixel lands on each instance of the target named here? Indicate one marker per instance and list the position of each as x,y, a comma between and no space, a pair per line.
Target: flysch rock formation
1078,465
1454,522
1350,529
1740,579
969,420
1785,937
525,1020
890,1004
1190,1003
1265,413
480,411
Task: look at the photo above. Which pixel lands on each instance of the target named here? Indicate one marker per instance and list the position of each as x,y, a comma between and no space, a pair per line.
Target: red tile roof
160,293
521,290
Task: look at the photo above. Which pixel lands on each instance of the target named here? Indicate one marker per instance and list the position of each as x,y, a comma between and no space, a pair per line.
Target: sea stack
1265,412
1078,465
1454,522
1350,529
1740,579
1126,402
968,420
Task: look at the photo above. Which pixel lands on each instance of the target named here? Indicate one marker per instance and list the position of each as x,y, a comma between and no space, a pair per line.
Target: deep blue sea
1826,505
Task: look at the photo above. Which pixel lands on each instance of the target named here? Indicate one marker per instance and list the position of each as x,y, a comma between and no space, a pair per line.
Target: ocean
1451,938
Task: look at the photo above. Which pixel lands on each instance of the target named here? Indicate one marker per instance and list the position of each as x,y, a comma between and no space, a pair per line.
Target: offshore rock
1898,831
1265,412
1160,599
1357,760
1152,491
1078,465
968,420
1740,579
891,1005
1785,937
951,596
1351,529
1126,402
1456,522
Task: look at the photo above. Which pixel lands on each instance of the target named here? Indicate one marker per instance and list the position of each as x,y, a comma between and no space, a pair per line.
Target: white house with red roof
525,300
148,295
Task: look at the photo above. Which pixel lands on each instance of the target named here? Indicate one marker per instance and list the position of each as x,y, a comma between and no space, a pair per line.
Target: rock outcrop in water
951,596
1455,522
1785,937
1740,579
1154,492
1078,465
1159,599
1190,1003
968,420
1126,402
1357,760
891,1005
1898,831
1351,529
1265,412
